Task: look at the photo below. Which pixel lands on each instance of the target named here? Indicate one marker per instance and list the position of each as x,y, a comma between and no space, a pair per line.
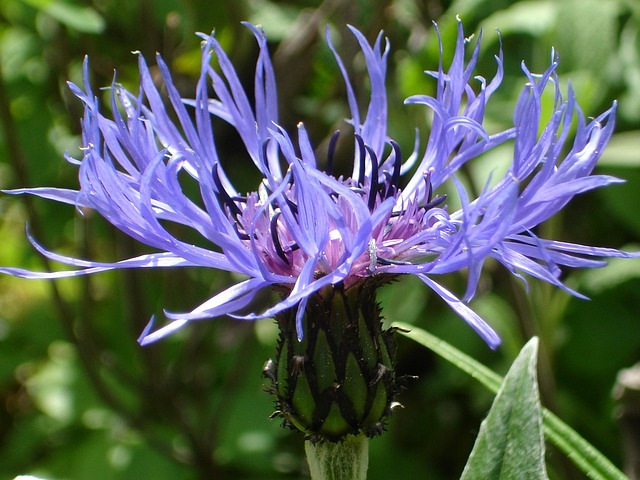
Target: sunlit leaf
616,272
77,17
622,150
510,443
581,452
534,18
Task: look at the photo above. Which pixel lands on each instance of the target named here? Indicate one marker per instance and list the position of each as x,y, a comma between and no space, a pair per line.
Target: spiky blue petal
303,229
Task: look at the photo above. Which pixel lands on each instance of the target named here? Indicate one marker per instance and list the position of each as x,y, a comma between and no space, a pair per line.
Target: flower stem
345,460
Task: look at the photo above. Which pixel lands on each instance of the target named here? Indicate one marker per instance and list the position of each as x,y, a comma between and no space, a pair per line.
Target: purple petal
468,315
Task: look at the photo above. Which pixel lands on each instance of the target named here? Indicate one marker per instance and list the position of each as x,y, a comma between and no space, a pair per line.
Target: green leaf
80,18
531,17
586,457
510,443
585,34
277,19
615,273
622,151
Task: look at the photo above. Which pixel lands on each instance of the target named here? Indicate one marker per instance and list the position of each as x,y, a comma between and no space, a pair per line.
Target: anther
241,235
361,165
223,195
388,261
395,176
373,256
333,142
292,206
435,202
264,155
427,183
373,188
274,236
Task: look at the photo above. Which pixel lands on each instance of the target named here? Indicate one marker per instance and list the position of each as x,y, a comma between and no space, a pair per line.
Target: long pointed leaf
510,443
584,455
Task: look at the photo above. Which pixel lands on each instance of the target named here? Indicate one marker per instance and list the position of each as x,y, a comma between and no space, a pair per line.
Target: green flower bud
340,378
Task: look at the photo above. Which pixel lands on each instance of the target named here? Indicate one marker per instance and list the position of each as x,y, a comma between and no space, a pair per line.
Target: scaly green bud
340,379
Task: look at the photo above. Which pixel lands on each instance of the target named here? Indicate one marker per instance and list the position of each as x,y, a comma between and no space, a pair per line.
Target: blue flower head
304,229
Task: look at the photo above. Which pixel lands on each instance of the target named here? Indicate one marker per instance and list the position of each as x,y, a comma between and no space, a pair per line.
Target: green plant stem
584,455
345,460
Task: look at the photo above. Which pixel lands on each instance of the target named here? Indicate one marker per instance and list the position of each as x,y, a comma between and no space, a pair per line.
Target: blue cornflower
305,230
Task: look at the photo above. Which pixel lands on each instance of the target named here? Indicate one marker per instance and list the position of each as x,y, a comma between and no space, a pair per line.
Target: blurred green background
80,399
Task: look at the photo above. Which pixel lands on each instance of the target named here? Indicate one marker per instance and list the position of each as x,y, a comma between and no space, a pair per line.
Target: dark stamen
274,236
241,235
395,176
223,195
293,207
363,154
331,151
373,188
435,202
388,261
427,183
264,155
274,203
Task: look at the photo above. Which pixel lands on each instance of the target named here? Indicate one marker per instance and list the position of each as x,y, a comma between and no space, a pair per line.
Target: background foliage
80,399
